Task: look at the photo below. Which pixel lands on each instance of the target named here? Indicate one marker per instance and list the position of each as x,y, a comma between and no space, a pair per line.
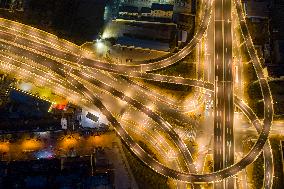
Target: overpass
29,54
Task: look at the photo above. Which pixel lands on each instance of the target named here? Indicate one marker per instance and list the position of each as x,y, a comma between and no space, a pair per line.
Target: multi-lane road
223,104
40,57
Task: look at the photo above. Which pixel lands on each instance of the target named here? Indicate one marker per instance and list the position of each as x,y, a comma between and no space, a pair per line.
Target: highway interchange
68,70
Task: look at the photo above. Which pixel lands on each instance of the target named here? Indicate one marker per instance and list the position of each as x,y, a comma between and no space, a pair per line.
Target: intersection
39,57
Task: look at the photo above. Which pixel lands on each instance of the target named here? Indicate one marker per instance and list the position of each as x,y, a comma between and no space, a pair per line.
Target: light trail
57,62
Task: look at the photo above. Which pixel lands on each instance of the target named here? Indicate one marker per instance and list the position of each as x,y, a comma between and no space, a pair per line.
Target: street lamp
99,44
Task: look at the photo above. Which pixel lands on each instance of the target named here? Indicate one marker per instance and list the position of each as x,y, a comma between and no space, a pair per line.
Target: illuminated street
194,138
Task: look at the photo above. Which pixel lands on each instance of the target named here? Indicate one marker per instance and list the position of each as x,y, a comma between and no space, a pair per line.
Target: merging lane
45,62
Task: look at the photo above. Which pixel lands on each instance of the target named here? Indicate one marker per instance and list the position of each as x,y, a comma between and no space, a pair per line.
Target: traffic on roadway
39,57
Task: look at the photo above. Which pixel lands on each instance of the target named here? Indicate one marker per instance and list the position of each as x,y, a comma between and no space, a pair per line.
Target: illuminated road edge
215,176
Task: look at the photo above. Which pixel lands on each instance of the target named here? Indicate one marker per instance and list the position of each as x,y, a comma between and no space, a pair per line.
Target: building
185,22
184,6
140,34
145,13
276,68
128,12
138,22
145,3
257,8
69,172
257,13
277,20
157,12
24,112
276,23
164,11
184,17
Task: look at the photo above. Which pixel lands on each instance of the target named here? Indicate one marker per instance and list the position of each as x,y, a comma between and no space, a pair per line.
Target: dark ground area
75,20
67,173
23,112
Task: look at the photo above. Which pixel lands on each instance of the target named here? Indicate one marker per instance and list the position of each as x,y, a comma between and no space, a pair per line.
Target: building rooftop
164,7
145,10
130,9
259,8
277,20
142,43
24,112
